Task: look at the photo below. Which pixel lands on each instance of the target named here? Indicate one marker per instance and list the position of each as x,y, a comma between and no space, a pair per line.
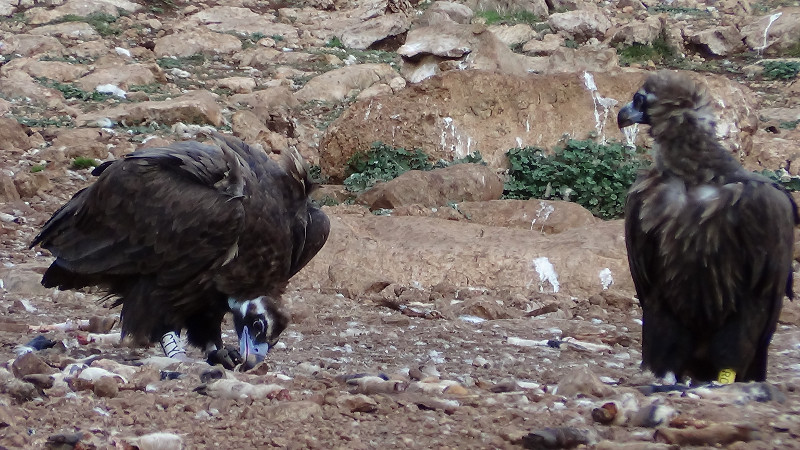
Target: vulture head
258,323
668,100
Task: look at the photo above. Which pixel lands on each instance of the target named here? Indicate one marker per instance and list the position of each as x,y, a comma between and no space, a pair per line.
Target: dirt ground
509,381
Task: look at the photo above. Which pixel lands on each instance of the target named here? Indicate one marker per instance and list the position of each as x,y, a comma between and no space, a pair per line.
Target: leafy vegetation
383,162
493,16
593,175
334,42
37,168
101,22
83,163
675,10
55,121
179,63
789,182
659,52
71,91
781,70
161,6
790,125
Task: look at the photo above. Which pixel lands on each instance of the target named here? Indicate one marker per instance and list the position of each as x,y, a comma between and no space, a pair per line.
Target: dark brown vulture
709,243
181,235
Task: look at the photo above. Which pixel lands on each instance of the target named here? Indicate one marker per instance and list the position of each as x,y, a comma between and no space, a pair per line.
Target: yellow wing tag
727,376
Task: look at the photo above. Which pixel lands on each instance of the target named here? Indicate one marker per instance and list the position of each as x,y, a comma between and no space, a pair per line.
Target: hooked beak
252,353
629,115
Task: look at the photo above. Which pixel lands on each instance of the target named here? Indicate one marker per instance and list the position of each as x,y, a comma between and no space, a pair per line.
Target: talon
726,376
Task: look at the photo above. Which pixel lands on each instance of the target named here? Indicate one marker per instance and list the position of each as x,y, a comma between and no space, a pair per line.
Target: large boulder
717,41
362,35
774,32
461,182
196,107
581,25
201,40
347,81
460,112
450,46
364,250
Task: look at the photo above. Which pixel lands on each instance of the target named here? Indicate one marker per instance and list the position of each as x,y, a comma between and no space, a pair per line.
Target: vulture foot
228,358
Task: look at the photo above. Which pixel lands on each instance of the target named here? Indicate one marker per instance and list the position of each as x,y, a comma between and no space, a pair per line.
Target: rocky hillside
477,319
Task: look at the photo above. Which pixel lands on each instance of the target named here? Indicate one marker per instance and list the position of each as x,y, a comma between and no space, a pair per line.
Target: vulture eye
639,101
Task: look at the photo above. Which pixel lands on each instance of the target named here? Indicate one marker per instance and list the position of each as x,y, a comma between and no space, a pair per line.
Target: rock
78,142
237,85
539,8
583,381
773,153
200,40
240,390
30,184
242,21
292,411
460,182
713,435
13,135
362,250
442,12
123,76
434,49
30,364
773,33
642,32
68,30
156,441
587,58
514,34
717,41
549,44
54,70
362,35
28,45
195,107
485,307
21,85
552,438
7,7
80,8
356,403
106,387
250,128
336,85
20,391
580,25
7,416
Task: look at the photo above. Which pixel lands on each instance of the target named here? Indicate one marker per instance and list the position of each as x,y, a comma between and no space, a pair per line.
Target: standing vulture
181,235
709,243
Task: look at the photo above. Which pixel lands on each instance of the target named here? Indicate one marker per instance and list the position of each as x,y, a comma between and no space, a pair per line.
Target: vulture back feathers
182,234
709,243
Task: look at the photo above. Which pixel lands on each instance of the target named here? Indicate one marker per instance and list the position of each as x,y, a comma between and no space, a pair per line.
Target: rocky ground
459,320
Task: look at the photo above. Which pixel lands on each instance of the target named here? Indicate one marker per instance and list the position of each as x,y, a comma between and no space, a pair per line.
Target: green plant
179,63
83,163
334,42
781,70
791,125
593,175
101,22
659,52
382,163
37,168
55,121
571,43
473,158
793,51
493,16
789,182
72,91
665,8
277,37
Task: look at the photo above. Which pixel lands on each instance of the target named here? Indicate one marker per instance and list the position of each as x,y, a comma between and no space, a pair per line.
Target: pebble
106,387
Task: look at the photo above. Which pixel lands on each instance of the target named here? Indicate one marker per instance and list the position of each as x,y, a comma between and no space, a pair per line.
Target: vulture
709,243
183,234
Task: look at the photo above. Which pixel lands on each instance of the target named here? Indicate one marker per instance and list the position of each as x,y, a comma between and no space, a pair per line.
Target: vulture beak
258,324
634,112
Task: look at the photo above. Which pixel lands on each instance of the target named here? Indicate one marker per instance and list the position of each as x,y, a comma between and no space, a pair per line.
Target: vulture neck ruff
685,137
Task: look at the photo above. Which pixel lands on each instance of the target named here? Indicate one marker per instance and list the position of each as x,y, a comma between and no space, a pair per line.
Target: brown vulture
709,243
180,235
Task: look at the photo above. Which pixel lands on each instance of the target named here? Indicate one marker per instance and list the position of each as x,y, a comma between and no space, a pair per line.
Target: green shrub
83,163
593,175
37,168
789,182
493,16
781,70
101,22
382,163
71,91
659,52
334,42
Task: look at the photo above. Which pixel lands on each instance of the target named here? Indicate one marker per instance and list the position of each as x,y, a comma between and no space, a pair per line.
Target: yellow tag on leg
727,376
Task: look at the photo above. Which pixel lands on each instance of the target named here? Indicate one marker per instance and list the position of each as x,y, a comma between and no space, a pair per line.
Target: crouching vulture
709,243
181,235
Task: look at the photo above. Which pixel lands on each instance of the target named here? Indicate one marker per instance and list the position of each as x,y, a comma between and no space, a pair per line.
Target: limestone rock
55,70
30,184
717,41
340,83
457,183
582,381
80,8
361,36
251,129
30,44
363,250
197,107
225,19
21,85
539,8
443,47
123,76
580,25
587,58
637,32
68,30
30,364
443,12
201,40
774,32
13,135
514,34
